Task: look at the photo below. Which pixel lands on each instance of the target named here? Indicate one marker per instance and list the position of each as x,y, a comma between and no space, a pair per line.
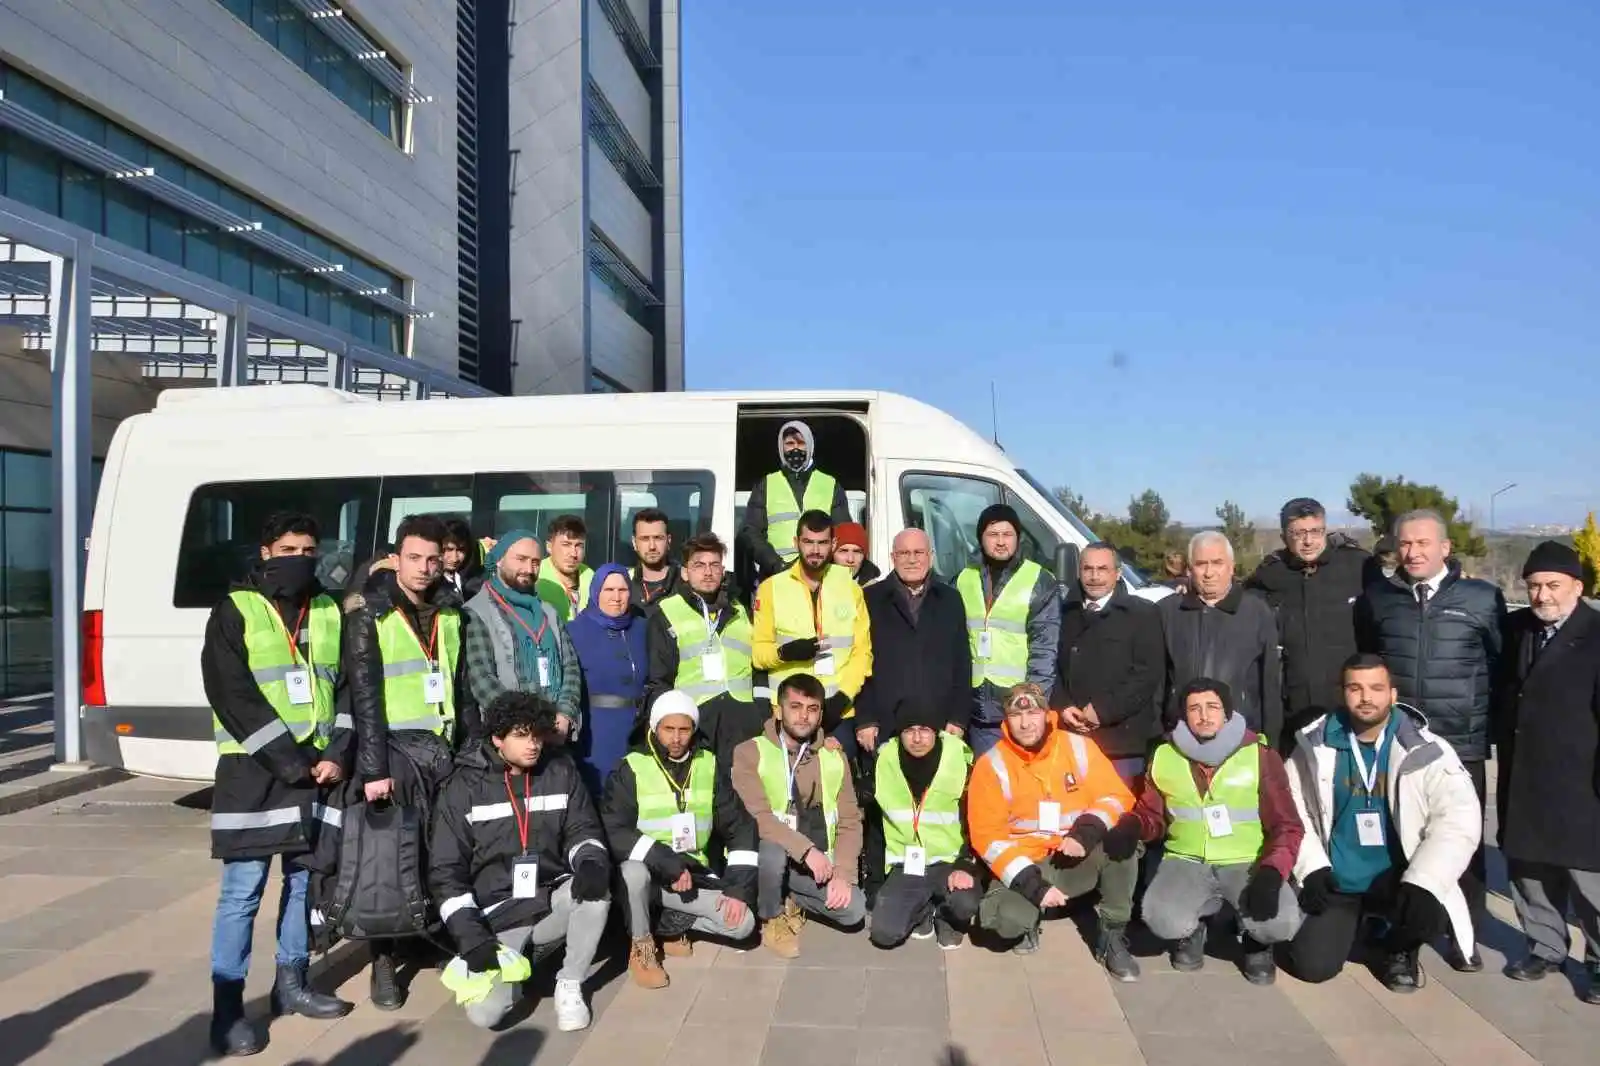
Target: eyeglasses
1306,534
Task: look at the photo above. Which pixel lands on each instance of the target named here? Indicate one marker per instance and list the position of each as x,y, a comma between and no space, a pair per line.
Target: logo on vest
841,611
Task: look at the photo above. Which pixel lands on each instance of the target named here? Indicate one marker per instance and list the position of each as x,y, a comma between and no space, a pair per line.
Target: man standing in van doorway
812,619
776,502
564,584
1013,622
653,577
270,665
408,690
516,642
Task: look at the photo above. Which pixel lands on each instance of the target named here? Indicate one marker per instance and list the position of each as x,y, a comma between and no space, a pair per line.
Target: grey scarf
1213,752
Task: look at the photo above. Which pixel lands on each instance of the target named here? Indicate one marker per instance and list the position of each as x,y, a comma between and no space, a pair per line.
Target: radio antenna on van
994,417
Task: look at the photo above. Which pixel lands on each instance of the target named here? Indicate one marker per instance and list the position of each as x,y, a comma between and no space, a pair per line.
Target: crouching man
518,858
1391,821
1219,797
661,807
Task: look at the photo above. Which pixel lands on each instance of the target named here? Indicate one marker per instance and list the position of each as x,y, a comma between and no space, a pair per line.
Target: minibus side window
685,496
947,506
445,495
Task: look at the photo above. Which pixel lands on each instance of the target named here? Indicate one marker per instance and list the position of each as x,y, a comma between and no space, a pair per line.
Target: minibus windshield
1134,579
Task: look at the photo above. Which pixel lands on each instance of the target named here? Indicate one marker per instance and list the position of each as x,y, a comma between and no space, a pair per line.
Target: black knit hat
911,711
998,512
1553,557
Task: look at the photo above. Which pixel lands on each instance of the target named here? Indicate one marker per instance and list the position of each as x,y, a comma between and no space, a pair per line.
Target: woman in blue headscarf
608,636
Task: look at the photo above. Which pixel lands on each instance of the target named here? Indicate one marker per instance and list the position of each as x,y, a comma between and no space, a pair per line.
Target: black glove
833,709
1316,891
1030,885
484,957
1260,899
1417,915
1089,831
798,651
590,881
1123,840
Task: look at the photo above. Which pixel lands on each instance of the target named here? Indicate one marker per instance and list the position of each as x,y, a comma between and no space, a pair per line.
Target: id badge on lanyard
791,818
525,868
298,681
433,686
1369,823
684,832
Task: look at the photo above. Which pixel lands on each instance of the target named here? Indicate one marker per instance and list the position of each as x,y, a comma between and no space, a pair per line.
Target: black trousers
1475,882
904,902
1318,952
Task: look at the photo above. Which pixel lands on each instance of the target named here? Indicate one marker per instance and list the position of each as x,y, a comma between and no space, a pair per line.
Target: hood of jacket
1024,755
805,435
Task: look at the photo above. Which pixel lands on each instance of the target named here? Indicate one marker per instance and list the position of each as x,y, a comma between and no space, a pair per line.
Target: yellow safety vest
272,652
937,827
784,511
696,641
773,769
1005,622
1236,785
657,800
553,592
406,667
794,617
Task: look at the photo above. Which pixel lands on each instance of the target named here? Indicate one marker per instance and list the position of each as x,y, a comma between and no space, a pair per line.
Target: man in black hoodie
663,803
518,857
270,666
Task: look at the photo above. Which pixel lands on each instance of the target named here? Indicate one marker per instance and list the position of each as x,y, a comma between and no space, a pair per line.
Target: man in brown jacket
798,790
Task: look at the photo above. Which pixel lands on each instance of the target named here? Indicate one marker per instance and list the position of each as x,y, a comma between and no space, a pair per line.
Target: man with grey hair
1220,629
1440,632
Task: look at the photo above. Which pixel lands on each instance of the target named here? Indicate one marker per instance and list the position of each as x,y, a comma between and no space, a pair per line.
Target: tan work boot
676,947
781,937
796,916
644,966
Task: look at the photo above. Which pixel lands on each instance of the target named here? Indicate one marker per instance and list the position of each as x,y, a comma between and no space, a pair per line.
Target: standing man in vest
662,805
564,581
778,500
929,890
516,642
1013,622
408,690
652,577
270,665
800,794
812,619
1219,797
698,643
1053,820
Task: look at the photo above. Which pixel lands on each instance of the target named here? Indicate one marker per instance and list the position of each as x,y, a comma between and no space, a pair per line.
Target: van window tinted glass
946,507
684,495
1038,542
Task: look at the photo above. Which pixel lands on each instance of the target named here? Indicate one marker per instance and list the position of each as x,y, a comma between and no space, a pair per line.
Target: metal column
233,346
71,323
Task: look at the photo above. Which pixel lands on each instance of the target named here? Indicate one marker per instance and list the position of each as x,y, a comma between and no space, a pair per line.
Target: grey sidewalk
27,753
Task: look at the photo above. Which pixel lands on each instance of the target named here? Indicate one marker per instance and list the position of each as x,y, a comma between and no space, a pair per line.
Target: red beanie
850,533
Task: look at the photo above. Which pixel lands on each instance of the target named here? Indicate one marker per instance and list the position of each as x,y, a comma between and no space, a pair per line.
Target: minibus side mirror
1067,569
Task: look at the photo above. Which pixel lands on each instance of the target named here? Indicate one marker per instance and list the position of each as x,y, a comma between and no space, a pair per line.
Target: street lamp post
1495,495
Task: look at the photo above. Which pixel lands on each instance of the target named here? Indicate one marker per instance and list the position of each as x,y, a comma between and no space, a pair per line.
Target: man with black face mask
270,665
772,516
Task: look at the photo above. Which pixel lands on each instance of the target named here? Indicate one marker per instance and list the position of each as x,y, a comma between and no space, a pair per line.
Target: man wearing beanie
850,552
930,890
1219,797
1547,724
662,805
1013,621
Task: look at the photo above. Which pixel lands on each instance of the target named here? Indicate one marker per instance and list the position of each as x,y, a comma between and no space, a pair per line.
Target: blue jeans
244,881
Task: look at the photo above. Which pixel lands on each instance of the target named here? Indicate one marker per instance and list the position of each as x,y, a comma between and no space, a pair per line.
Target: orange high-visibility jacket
1009,783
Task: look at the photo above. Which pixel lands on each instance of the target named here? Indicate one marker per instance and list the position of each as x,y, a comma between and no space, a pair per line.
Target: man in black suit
1547,725
1110,665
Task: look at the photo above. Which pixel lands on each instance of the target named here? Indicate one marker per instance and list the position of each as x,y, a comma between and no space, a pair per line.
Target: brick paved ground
105,911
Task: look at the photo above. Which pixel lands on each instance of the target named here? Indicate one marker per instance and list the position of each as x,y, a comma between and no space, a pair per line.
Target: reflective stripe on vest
1006,621
1236,785
1030,826
266,643
405,671
939,826
553,592
784,511
773,770
695,642
658,803
794,618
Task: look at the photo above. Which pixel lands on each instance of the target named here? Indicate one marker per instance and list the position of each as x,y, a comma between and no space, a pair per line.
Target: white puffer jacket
1432,803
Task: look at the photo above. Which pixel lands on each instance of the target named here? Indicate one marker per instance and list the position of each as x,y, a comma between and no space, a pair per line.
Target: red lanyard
433,638
916,816
293,634
521,819
537,634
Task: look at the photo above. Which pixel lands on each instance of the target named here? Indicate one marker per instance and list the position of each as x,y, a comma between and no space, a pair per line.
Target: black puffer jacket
1315,604
731,824
1443,663
475,841
362,667
1235,642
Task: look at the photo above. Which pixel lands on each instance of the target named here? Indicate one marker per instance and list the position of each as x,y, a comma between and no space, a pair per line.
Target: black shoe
1593,995
1259,966
232,1035
1112,951
293,994
1401,971
1189,954
386,991
924,929
1029,944
1463,962
1532,968
947,935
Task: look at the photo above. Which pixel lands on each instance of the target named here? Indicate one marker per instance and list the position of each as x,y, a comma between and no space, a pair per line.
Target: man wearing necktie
1439,633
1547,725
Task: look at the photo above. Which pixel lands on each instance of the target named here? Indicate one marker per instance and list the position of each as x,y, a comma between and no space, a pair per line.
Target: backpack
380,889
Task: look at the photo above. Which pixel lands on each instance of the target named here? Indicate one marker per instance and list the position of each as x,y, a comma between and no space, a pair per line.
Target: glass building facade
44,179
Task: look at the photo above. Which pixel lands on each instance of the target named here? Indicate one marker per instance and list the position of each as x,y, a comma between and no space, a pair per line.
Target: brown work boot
676,947
796,916
643,964
781,936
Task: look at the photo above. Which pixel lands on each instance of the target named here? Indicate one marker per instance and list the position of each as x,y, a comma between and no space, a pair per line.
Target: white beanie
670,703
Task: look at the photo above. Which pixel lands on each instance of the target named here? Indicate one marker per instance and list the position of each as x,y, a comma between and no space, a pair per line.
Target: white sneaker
572,1013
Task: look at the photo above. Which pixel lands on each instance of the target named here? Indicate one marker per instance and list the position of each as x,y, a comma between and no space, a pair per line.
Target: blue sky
1248,254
